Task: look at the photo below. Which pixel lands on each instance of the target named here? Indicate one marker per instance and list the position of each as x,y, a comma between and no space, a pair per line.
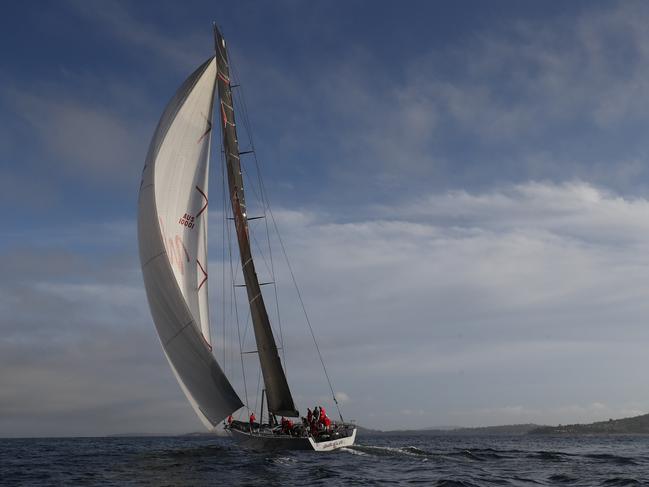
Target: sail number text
187,220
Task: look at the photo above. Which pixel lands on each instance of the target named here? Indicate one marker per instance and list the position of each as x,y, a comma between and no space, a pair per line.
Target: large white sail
172,233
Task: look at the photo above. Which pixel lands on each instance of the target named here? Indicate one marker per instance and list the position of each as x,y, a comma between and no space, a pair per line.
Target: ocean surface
403,460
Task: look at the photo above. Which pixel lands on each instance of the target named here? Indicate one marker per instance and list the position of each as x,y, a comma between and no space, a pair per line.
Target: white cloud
460,308
531,286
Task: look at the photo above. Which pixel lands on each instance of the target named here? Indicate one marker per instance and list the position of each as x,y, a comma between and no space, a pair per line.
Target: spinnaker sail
172,234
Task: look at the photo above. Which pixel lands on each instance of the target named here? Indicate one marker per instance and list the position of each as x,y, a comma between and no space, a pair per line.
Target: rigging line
272,273
257,395
261,253
272,265
236,312
266,205
250,186
245,330
306,315
223,254
240,96
257,246
226,362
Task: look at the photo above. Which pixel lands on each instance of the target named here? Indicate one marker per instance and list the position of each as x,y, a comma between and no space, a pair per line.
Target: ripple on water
423,460
621,481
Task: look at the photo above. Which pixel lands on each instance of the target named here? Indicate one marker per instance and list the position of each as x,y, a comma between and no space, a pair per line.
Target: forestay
172,233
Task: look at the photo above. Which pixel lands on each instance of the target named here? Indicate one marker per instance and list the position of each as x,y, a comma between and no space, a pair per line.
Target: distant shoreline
636,426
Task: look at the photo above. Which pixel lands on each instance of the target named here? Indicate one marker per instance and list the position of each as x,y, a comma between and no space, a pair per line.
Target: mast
278,393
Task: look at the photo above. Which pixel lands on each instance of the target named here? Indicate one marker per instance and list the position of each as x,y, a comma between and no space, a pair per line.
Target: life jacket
253,418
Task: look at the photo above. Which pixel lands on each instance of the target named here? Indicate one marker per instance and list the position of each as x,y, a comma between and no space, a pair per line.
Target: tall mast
278,393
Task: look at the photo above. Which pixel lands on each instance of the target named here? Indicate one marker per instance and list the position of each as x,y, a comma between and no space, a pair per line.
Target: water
405,460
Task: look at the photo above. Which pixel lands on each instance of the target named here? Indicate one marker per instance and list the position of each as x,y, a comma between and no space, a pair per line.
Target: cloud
141,37
82,138
557,98
531,295
476,242
532,291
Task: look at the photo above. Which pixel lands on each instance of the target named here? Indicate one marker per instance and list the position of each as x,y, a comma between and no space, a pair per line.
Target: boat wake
411,451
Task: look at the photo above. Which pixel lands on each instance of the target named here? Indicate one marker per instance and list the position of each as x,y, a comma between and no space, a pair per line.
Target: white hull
257,441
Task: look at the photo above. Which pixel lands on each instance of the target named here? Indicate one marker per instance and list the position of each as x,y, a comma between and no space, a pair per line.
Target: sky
462,189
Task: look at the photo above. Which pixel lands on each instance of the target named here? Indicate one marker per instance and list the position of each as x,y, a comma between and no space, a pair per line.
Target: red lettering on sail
187,220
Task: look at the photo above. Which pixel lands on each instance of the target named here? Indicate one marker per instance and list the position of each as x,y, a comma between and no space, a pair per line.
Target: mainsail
172,234
277,390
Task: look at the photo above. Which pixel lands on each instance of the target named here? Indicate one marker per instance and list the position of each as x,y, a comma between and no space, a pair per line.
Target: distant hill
135,435
505,430
637,425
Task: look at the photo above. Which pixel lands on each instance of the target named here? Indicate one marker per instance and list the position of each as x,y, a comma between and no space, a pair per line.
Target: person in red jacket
252,420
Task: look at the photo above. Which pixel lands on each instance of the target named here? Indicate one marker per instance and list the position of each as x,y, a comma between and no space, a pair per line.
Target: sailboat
173,237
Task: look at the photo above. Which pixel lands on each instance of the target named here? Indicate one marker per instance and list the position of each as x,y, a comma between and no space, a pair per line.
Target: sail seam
178,332
153,258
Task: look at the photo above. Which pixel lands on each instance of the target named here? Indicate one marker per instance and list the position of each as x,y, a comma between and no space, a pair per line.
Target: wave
453,483
562,478
551,456
390,450
479,455
353,451
282,460
615,481
610,458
